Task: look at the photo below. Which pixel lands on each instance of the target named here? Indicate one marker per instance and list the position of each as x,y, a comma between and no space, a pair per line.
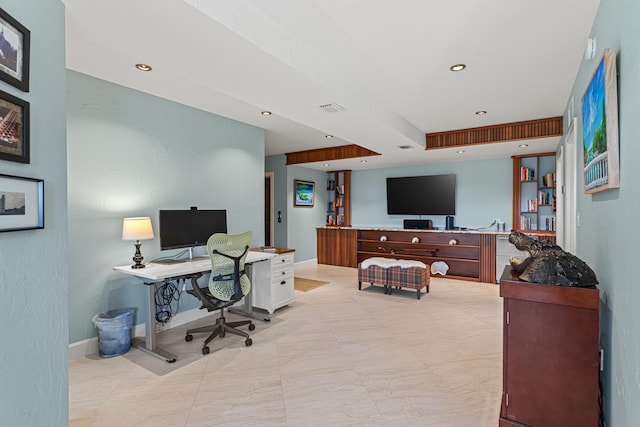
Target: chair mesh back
233,245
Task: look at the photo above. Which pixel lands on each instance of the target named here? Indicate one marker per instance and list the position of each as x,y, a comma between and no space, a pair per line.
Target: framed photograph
21,203
304,193
14,128
601,154
14,44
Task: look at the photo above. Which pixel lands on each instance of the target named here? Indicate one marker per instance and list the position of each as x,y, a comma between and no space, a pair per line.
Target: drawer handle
284,282
283,273
282,260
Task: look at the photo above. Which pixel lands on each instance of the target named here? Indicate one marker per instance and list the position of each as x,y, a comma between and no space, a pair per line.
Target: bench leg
359,285
419,292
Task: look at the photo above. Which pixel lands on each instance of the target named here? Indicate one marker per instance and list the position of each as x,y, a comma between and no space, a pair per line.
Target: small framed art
21,203
14,128
14,44
304,193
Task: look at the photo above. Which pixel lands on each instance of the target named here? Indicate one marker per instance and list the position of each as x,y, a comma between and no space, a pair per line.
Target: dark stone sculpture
549,264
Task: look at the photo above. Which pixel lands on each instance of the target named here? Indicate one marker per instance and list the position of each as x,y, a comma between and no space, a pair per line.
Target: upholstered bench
394,273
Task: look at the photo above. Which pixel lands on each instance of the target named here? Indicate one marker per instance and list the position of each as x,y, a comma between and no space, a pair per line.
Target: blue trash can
114,331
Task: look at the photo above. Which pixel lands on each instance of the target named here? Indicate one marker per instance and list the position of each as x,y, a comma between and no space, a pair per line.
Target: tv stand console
470,255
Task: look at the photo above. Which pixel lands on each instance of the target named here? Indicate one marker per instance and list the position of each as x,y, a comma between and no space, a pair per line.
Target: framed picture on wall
14,128
601,156
304,193
21,203
14,44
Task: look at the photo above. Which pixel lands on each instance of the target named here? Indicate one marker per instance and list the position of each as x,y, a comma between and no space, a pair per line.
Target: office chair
228,283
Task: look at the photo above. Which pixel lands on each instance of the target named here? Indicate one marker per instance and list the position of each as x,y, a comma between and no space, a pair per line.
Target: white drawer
282,261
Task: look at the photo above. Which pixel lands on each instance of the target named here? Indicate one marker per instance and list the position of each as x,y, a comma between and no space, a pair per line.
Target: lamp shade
137,228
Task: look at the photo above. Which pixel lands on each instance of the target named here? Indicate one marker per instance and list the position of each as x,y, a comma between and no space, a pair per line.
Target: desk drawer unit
280,292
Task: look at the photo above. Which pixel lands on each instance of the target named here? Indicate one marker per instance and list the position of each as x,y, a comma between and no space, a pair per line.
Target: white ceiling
386,62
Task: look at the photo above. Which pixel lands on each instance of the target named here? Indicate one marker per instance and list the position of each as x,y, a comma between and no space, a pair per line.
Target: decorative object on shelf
415,240
21,203
549,264
304,193
453,242
600,127
14,44
14,128
138,228
383,238
439,267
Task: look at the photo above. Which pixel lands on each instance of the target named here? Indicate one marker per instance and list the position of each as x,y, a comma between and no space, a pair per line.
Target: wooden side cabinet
551,354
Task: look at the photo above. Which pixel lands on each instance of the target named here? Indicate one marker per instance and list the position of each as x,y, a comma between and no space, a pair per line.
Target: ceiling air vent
405,147
331,107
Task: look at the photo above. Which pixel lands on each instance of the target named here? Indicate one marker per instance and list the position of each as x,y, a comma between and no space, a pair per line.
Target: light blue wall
304,220
131,154
483,193
33,264
609,226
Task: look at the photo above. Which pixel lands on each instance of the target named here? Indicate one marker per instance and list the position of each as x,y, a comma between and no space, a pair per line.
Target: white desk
154,273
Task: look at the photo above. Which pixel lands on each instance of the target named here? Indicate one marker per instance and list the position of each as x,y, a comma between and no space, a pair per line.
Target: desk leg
247,310
255,271
148,345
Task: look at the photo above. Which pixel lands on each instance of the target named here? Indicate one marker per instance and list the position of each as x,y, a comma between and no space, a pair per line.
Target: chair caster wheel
188,338
205,350
251,326
248,342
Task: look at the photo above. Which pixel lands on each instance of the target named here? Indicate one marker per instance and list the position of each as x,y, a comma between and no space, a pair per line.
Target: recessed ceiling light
144,67
266,113
363,161
457,67
328,136
481,113
523,145
326,165
460,151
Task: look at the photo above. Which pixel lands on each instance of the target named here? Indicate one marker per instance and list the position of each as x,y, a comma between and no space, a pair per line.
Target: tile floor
337,357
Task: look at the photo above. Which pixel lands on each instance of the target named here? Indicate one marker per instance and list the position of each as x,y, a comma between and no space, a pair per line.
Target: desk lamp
137,229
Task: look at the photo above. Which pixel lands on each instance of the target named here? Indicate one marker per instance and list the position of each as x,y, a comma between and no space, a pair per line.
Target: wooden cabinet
470,256
339,207
534,193
336,246
275,290
551,354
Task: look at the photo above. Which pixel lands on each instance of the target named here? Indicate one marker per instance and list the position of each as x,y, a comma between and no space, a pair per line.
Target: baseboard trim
306,262
80,349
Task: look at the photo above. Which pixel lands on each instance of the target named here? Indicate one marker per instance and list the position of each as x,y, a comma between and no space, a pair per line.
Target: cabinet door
551,362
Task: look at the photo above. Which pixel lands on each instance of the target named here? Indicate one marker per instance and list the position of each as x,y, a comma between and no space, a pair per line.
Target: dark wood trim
488,258
330,153
530,129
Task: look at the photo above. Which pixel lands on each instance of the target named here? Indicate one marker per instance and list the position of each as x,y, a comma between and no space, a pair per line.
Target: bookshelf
534,193
339,200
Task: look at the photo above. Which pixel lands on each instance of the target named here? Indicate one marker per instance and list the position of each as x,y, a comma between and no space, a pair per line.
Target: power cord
165,295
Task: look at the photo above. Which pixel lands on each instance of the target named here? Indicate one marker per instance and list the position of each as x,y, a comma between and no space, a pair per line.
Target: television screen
422,195
189,228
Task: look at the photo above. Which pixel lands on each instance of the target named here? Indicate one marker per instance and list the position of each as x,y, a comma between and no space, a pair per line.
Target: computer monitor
189,228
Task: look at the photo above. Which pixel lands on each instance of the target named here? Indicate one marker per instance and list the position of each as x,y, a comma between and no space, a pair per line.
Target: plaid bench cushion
394,273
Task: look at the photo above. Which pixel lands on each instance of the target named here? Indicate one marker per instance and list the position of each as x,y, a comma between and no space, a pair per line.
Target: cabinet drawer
471,239
282,261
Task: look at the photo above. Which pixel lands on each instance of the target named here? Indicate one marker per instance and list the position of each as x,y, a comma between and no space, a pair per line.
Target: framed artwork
21,203
601,152
15,40
304,193
14,128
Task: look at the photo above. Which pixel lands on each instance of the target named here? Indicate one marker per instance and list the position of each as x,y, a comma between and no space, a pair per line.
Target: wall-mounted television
422,195
189,228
